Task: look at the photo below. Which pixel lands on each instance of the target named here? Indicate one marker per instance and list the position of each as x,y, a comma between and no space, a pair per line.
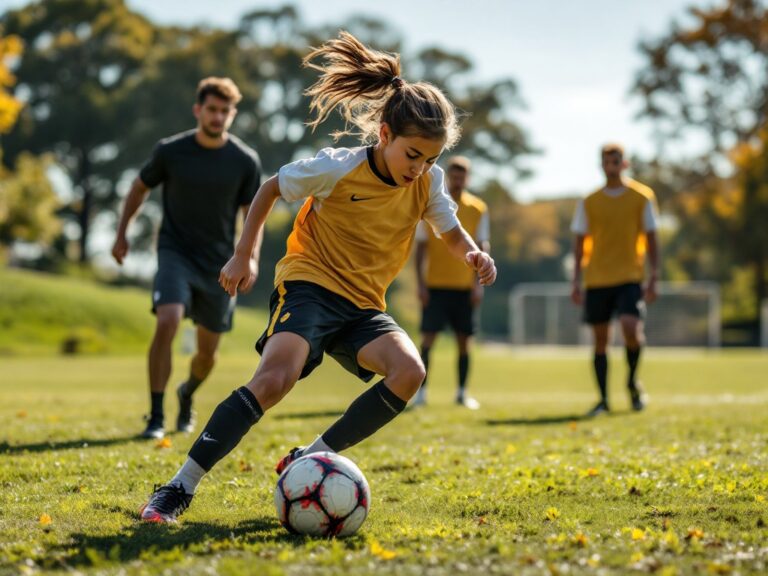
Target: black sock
229,422
633,359
601,373
157,404
425,360
370,411
192,384
463,370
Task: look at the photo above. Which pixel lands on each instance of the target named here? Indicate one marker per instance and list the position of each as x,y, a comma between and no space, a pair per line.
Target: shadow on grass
539,420
302,415
562,419
148,541
48,445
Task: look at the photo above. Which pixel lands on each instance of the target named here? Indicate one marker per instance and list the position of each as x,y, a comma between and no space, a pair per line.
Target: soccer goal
685,314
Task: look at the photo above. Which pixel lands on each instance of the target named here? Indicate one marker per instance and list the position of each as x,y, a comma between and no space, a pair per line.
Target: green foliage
520,487
40,312
28,204
78,58
707,80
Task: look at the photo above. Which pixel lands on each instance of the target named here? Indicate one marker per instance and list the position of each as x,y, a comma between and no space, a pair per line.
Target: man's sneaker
638,397
600,408
166,504
154,429
289,458
467,402
184,422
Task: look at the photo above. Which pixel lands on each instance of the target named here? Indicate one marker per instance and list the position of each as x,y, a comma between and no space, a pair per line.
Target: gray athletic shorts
180,281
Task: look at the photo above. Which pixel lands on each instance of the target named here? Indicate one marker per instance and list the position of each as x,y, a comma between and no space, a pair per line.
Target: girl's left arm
463,247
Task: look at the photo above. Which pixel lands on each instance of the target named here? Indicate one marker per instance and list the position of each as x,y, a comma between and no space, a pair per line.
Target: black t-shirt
203,188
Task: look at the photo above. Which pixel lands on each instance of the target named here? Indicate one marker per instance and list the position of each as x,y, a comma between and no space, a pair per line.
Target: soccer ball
322,494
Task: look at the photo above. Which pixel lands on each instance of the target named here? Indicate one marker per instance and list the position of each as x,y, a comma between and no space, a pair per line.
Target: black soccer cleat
154,429
289,459
638,397
185,421
166,504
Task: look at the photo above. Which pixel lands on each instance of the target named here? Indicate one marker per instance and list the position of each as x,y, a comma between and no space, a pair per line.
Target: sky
574,62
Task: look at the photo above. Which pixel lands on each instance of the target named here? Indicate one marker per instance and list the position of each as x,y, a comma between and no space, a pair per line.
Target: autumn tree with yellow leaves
706,81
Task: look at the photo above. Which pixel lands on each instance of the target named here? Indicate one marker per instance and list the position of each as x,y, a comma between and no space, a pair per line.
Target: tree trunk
84,218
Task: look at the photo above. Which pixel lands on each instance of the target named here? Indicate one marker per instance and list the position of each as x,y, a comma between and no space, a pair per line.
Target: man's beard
210,133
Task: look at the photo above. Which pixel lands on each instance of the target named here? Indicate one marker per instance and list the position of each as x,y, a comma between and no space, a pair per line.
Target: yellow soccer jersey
355,230
614,223
443,269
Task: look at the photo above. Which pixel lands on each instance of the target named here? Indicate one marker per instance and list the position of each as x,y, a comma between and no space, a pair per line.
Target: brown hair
459,163
612,148
366,86
222,88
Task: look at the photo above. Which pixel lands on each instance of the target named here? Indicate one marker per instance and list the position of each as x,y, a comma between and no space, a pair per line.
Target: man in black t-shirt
208,175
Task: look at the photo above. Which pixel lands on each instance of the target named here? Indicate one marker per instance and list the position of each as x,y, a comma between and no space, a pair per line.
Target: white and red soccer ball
322,494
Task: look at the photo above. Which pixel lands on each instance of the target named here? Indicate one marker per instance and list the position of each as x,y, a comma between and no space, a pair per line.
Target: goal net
684,314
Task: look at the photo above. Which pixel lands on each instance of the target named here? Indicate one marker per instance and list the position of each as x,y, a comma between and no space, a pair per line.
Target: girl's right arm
236,273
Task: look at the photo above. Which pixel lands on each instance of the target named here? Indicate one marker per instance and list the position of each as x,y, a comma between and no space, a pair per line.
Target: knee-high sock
191,385
463,370
633,359
601,374
229,422
425,360
156,400
370,411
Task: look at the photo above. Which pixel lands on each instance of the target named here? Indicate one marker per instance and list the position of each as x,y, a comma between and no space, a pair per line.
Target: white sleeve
579,224
316,176
422,235
650,218
483,233
441,209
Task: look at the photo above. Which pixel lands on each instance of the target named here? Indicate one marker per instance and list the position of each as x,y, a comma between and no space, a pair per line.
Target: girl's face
407,157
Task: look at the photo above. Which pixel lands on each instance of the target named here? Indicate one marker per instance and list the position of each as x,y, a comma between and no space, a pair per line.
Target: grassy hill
39,312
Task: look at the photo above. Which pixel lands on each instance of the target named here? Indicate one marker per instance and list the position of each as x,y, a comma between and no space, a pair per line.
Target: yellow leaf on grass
164,443
695,534
580,539
45,520
381,552
552,514
638,534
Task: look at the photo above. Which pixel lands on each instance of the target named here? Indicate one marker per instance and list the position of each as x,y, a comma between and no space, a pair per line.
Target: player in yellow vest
352,236
615,229
448,289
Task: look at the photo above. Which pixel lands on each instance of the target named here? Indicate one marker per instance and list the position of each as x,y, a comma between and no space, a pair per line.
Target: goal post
684,314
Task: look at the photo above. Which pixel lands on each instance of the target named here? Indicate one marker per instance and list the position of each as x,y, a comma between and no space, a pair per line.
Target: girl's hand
236,274
483,265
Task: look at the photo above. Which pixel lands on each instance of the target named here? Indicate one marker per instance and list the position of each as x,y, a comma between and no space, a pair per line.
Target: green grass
522,486
38,312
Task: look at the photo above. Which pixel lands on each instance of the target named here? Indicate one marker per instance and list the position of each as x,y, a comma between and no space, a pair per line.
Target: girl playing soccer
350,239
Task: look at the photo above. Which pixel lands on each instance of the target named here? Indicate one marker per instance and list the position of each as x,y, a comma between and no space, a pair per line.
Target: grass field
522,486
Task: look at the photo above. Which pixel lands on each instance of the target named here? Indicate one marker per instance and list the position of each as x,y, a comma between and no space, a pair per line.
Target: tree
27,202
78,57
708,82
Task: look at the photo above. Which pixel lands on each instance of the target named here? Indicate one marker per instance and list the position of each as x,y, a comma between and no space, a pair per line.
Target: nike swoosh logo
356,198
207,438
